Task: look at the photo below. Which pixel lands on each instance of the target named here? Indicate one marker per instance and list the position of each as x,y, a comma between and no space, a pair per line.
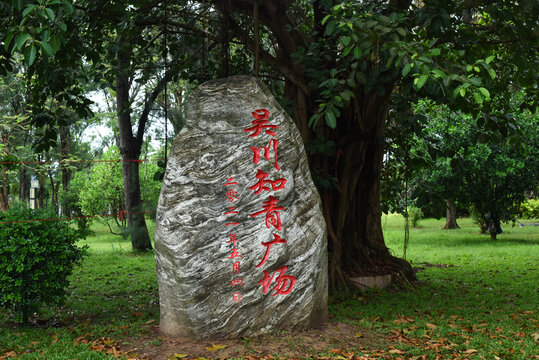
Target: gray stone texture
192,254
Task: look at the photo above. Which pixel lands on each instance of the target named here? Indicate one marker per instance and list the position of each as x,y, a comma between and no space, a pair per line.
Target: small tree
498,184
415,214
36,257
100,191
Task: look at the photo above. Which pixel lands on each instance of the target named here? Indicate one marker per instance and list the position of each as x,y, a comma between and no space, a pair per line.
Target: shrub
36,257
529,209
415,214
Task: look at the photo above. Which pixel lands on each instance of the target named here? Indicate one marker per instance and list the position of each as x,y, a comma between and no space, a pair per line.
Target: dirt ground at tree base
335,340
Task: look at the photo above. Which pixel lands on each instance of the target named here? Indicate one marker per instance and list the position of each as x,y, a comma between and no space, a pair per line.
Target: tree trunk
54,192
24,192
4,203
357,218
137,229
130,149
66,173
493,228
451,215
41,203
300,109
353,214
4,186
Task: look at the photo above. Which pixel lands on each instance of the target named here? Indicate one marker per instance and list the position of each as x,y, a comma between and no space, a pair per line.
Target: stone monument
240,238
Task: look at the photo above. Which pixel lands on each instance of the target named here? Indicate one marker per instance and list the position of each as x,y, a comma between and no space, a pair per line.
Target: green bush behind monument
36,257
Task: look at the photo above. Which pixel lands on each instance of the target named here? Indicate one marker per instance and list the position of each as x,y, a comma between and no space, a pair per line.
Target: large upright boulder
240,239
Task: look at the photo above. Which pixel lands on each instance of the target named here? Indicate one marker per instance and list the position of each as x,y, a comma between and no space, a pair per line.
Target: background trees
342,61
339,67
476,165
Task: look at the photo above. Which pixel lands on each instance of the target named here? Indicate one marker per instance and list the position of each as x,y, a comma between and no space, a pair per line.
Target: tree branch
268,58
151,100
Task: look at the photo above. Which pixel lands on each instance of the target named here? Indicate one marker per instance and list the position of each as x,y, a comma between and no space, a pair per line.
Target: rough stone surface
372,282
194,260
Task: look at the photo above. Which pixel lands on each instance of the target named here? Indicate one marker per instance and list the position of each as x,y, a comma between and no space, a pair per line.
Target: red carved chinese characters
232,240
231,210
234,254
231,196
266,149
276,240
261,123
261,184
230,181
261,126
273,217
236,282
284,285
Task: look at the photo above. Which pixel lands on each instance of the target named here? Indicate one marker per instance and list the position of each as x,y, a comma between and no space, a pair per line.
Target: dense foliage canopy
354,65
476,166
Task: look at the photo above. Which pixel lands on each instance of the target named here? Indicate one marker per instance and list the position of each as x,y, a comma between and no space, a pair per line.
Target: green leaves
36,259
29,8
32,36
50,14
478,98
55,43
47,48
419,82
102,189
30,54
330,27
20,40
357,52
406,69
482,95
62,26
331,120
439,73
484,92
68,7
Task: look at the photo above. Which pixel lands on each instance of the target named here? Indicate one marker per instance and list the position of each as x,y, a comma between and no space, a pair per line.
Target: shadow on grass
486,241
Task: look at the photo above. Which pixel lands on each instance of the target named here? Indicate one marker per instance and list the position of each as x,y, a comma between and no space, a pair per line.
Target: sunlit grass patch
483,304
476,297
102,240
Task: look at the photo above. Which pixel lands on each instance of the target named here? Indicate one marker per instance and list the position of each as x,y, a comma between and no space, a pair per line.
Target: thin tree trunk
451,215
493,225
300,109
66,173
41,203
4,186
130,149
54,193
23,185
4,203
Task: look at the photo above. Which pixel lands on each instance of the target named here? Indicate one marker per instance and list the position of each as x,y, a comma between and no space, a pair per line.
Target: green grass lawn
476,299
483,303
